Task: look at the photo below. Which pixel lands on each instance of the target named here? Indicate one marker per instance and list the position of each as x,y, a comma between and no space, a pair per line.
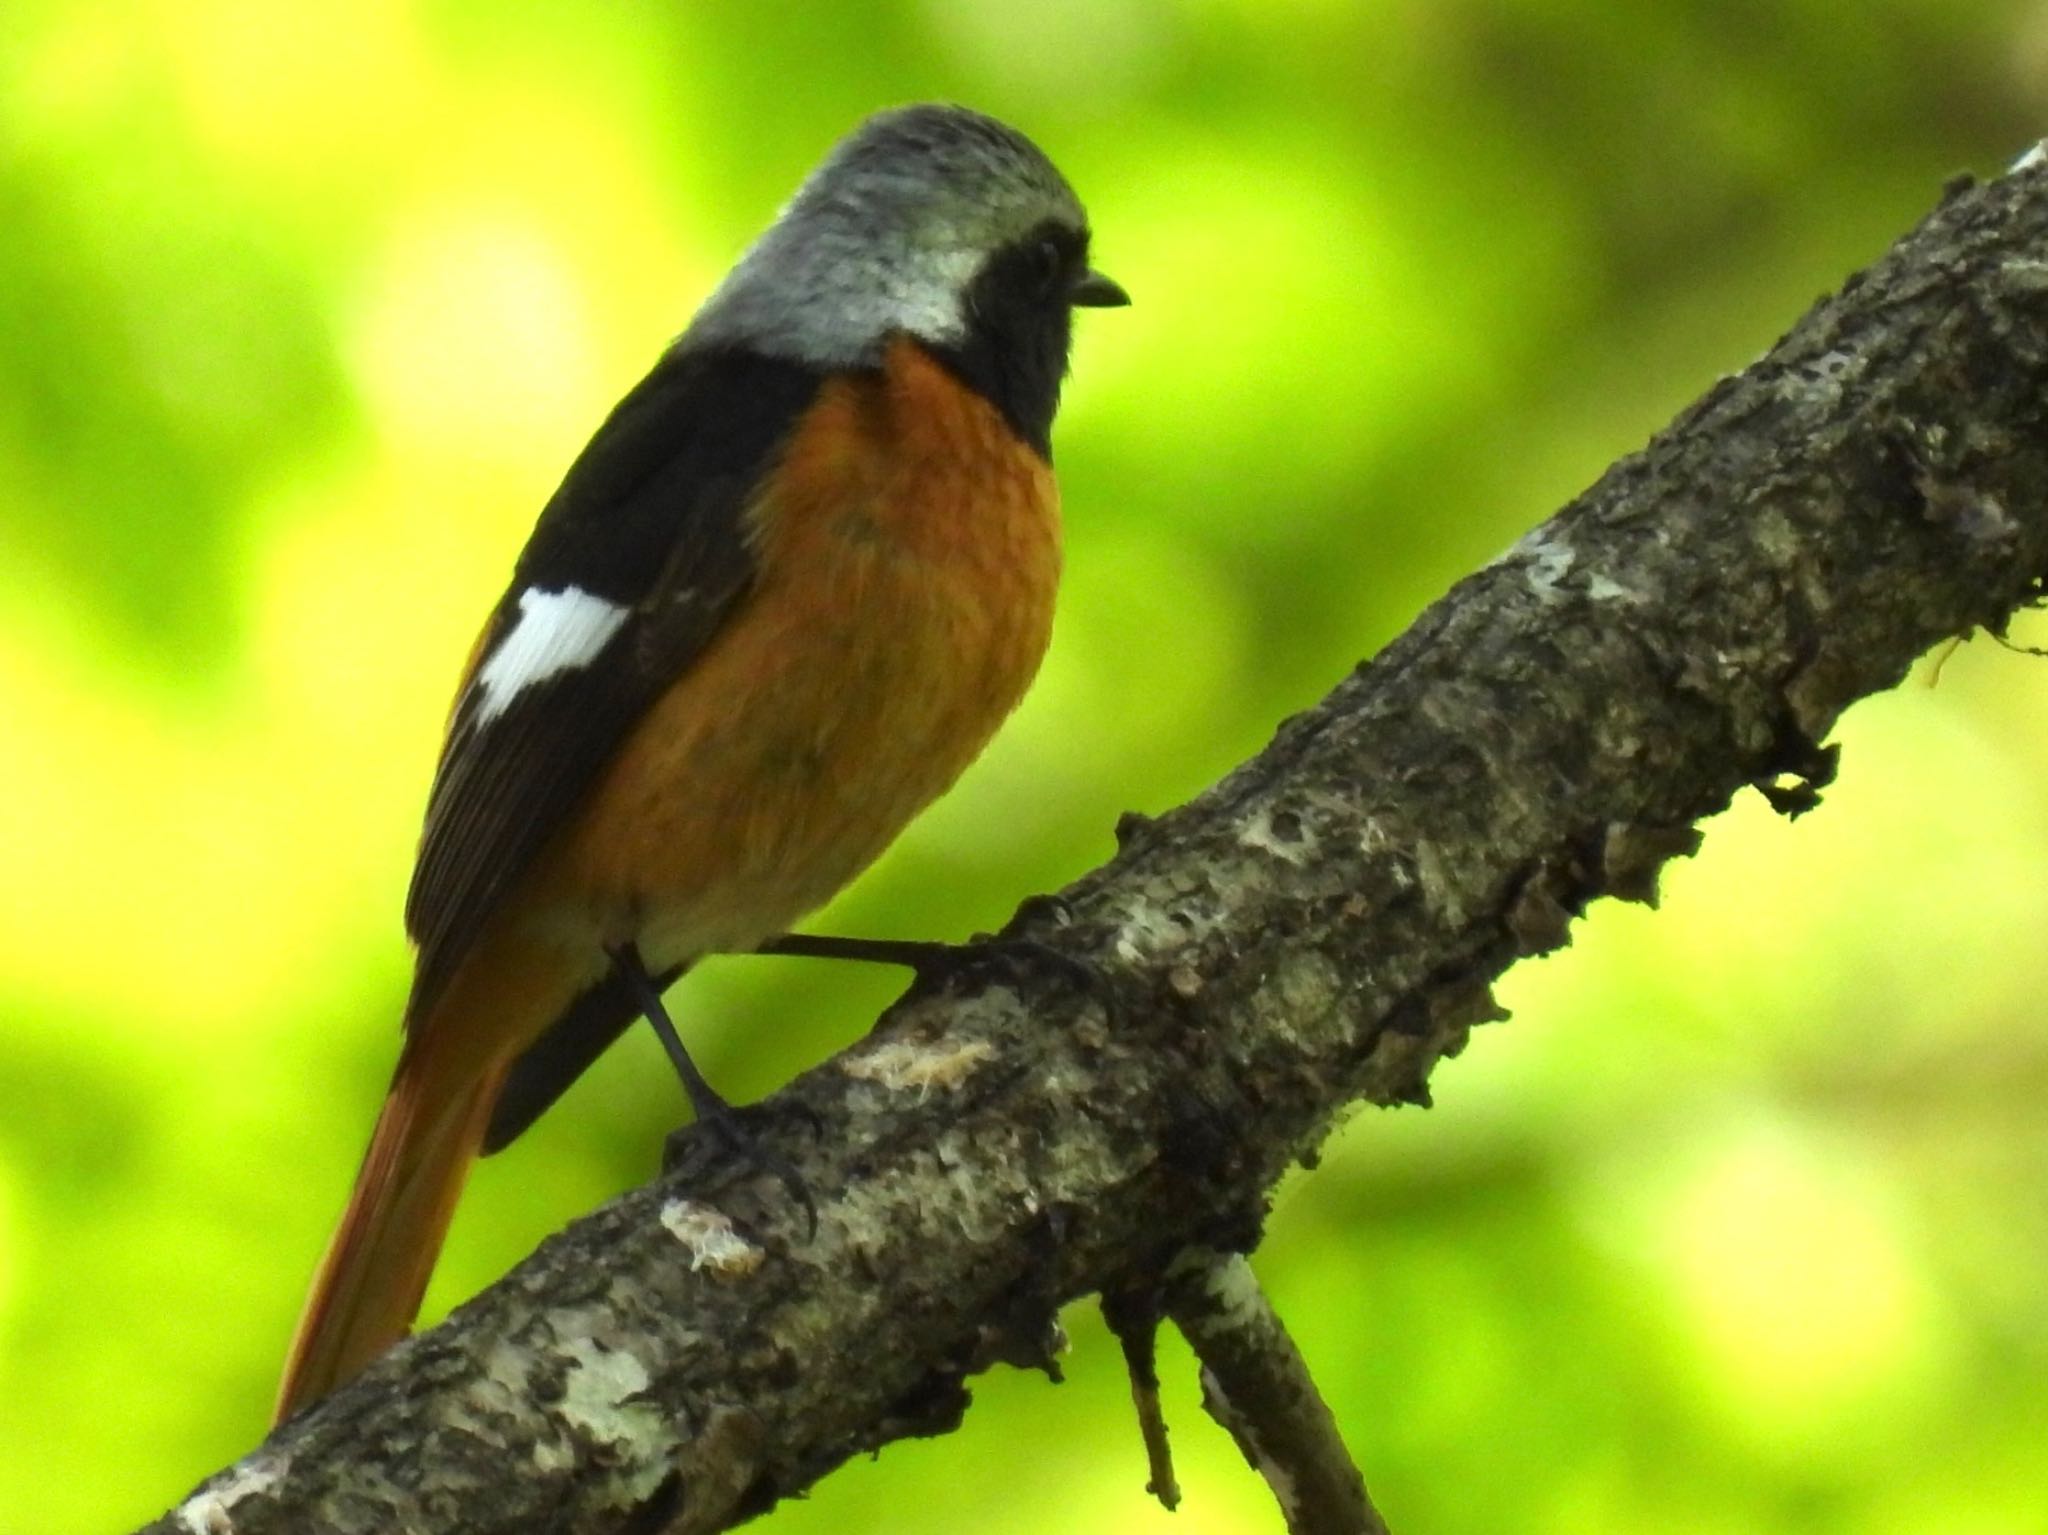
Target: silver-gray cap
884,237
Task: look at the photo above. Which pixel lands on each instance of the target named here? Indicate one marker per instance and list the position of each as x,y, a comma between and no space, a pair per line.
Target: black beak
1091,290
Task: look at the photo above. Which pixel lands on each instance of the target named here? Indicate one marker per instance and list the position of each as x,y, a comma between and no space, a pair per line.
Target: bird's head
932,222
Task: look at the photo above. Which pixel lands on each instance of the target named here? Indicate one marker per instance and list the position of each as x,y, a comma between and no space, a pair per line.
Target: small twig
1256,1384
1938,660
2020,650
1134,1318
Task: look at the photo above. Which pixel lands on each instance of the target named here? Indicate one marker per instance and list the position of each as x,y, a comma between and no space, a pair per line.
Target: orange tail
369,1286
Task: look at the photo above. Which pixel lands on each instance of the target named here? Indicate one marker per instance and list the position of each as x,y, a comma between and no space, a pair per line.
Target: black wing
650,520
571,1044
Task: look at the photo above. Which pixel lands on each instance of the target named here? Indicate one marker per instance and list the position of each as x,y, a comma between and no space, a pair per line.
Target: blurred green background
1740,1225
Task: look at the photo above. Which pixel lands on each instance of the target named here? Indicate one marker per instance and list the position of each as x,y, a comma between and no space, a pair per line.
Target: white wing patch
555,632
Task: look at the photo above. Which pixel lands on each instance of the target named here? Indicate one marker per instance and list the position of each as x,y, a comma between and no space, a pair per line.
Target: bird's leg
912,953
934,961
711,1108
706,1102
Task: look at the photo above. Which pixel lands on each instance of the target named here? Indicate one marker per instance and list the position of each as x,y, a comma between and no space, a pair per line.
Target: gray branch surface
1316,930
1257,1385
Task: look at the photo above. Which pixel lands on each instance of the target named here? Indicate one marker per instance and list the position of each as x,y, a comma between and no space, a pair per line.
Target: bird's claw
726,1129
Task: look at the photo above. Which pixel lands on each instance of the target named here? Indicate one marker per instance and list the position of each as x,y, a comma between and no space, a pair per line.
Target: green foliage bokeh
1741,1224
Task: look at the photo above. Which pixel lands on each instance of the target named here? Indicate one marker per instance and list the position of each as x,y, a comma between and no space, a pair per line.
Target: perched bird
781,600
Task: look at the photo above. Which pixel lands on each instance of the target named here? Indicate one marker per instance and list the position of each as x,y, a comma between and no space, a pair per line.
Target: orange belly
907,565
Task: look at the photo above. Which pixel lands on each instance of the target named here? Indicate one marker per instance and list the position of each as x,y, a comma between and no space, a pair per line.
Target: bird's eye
1049,264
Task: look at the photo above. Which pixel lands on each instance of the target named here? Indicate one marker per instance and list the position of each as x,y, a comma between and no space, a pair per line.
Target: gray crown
884,237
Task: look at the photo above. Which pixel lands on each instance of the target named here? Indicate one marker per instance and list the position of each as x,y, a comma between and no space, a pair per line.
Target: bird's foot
726,1130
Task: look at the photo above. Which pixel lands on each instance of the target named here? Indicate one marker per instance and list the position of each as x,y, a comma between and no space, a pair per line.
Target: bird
779,602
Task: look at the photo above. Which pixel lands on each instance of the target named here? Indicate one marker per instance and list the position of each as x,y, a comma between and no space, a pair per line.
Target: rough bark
1256,1384
1316,930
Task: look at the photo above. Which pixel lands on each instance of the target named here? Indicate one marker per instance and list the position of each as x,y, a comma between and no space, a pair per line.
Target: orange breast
908,555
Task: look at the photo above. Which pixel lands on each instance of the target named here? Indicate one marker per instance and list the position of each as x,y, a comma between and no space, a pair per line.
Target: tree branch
1256,1384
1316,930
